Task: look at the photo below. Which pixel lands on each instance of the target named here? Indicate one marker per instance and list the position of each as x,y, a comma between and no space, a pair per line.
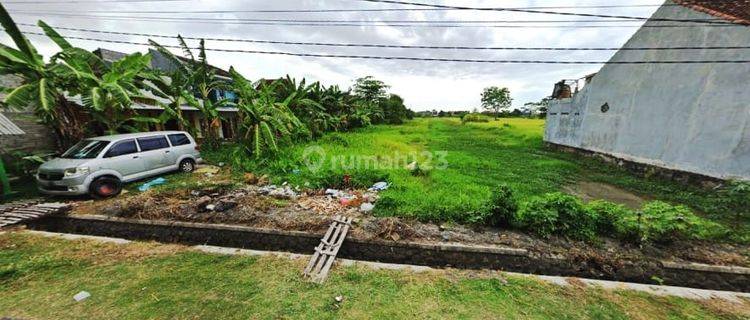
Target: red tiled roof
732,10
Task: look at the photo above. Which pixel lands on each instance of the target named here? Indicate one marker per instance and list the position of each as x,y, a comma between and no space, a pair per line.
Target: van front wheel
187,165
105,187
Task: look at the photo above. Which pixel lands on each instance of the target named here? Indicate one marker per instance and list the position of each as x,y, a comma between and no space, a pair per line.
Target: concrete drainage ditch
433,255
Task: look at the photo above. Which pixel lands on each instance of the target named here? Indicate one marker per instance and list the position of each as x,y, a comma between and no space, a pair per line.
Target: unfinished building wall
686,117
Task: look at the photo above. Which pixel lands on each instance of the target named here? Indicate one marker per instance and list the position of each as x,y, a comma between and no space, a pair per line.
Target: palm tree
42,84
263,118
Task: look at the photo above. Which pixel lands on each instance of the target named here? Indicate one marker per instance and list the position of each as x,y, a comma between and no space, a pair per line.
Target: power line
358,10
373,57
333,20
377,24
362,45
541,12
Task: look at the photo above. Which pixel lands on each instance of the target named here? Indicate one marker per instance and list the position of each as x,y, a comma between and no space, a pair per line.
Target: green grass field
479,156
40,275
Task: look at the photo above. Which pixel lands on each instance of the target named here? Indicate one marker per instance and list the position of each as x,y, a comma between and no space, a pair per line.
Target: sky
423,85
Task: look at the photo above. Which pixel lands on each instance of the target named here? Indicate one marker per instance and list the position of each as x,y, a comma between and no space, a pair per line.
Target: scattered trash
221,164
339,298
146,186
380,186
263,180
283,192
211,207
211,170
332,192
445,235
366,207
250,178
83,295
296,171
224,206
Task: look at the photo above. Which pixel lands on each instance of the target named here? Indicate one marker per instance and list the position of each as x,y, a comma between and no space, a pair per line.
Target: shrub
737,198
475,117
558,213
501,211
662,222
608,214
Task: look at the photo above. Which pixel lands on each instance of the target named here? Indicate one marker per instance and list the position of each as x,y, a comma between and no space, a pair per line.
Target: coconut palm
264,119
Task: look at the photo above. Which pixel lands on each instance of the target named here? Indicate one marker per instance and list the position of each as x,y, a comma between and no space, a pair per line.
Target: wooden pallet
11,214
322,260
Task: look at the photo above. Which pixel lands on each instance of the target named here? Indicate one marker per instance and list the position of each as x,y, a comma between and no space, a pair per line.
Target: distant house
688,118
226,129
20,130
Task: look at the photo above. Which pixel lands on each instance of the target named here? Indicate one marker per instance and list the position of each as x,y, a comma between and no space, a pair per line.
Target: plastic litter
148,185
83,295
208,170
380,186
366,207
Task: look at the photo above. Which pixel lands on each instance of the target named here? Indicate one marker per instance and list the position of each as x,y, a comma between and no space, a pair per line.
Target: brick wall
38,137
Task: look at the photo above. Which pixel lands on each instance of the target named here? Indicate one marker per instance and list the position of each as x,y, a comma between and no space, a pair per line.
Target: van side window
178,139
122,148
153,143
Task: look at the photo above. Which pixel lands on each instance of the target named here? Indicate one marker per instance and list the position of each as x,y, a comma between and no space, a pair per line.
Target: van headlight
72,172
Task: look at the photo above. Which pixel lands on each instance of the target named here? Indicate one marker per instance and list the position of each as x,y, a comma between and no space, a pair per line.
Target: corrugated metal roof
7,127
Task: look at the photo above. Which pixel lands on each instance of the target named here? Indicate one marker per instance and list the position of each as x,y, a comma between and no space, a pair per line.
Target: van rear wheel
105,187
187,165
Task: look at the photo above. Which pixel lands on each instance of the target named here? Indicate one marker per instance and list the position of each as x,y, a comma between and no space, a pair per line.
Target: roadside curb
431,255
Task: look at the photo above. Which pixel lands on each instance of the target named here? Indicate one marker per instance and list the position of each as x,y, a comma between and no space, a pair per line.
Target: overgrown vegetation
40,275
493,170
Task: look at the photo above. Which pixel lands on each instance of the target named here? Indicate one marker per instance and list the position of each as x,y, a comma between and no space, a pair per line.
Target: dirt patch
312,211
590,191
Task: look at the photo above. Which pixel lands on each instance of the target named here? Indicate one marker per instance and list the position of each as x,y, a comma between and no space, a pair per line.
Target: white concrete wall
689,117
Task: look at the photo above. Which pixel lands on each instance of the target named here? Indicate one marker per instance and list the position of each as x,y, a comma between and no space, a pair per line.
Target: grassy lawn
39,276
479,156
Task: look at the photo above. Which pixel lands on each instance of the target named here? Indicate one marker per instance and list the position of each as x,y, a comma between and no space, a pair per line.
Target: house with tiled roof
680,119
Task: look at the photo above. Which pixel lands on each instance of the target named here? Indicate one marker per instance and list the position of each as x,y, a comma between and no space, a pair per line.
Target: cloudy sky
424,85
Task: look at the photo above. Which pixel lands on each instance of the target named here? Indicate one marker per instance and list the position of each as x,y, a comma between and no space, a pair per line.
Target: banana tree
107,90
263,118
176,86
42,85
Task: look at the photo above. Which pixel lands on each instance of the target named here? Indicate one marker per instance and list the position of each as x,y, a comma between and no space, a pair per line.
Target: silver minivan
99,166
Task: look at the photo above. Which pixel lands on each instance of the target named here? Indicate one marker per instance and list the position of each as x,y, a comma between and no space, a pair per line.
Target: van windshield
86,149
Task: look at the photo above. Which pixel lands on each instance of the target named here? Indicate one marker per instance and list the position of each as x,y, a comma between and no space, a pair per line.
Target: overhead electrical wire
376,23
362,45
374,57
357,10
333,20
544,12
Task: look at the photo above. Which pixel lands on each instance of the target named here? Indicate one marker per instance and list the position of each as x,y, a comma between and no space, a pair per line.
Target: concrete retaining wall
434,255
686,117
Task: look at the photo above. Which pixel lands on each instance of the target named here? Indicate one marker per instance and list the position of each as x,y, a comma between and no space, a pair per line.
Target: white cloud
424,85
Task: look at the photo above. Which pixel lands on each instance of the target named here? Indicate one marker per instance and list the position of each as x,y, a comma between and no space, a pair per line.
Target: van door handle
135,157
166,151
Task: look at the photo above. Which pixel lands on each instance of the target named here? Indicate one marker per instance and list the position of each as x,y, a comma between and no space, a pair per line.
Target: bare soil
311,212
590,191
